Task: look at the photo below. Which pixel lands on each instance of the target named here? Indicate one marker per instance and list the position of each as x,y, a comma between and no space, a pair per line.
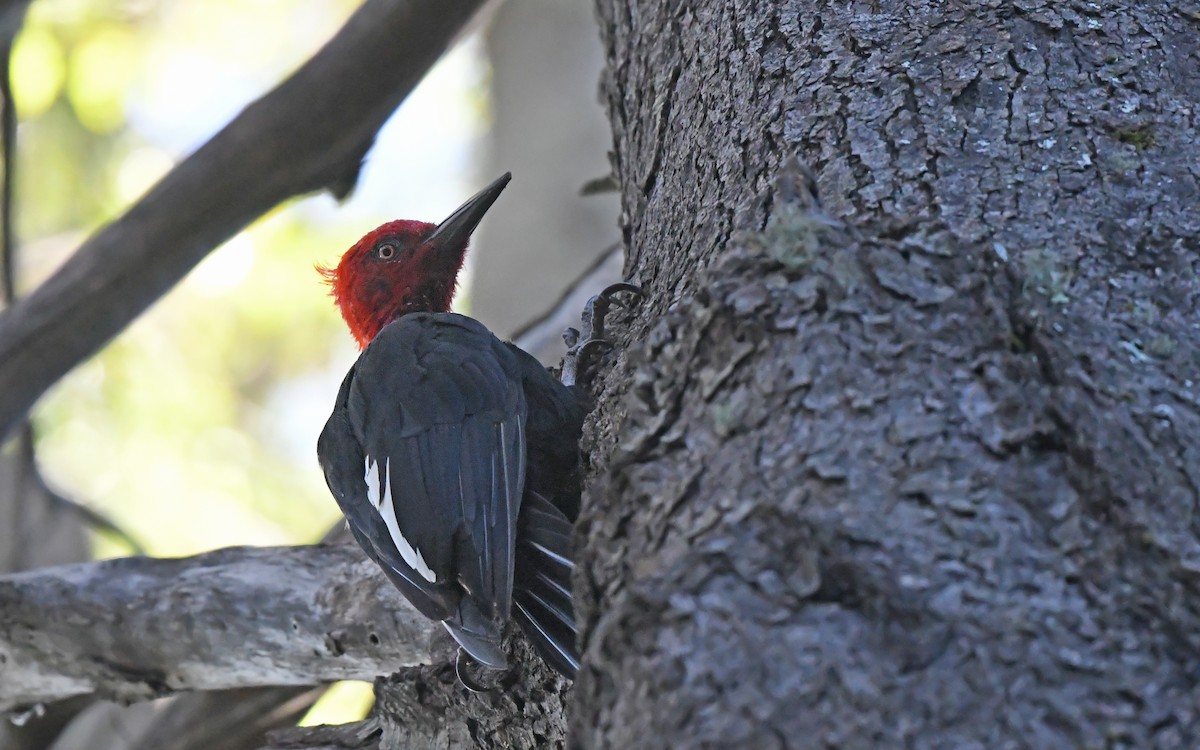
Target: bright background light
195,428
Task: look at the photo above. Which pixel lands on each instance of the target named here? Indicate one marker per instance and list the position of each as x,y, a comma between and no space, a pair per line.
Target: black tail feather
478,635
542,603
558,588
548,597
556,646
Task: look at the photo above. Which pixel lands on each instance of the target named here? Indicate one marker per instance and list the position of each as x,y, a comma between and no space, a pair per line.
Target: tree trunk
927,480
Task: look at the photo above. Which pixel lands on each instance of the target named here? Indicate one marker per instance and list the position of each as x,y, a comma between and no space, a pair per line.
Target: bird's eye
386,252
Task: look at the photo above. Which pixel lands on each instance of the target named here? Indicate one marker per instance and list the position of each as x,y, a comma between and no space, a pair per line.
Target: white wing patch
383,503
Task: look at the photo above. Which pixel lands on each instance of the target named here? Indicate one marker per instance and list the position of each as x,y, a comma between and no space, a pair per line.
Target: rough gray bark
363,735
929,481
236,719
133,629
426,707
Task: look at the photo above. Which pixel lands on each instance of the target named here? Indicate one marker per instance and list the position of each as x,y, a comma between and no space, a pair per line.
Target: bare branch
310,133
363,735
139,628
236,719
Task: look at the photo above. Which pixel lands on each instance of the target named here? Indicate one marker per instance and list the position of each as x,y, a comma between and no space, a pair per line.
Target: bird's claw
610,292
586,349
586,340
570,337
592,318
461,670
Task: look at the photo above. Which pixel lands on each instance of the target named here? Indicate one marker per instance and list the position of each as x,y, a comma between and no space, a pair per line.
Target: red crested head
405,266
390,272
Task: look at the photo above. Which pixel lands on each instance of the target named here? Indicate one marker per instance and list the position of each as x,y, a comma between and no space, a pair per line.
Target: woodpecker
452,454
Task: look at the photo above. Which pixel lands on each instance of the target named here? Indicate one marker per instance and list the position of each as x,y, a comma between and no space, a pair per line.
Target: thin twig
92,518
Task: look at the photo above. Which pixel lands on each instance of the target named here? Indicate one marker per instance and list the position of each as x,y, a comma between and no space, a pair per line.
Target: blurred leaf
101,69
343,703
39,70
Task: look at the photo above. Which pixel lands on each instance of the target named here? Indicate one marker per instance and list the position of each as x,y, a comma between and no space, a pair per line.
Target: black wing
425,453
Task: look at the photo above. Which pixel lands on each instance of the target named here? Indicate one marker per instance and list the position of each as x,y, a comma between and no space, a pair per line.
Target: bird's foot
584,342
462,669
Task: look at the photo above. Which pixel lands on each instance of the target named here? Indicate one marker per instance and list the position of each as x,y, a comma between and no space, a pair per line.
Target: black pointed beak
456,229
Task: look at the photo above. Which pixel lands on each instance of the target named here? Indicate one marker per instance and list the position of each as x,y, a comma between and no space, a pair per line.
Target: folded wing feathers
382,502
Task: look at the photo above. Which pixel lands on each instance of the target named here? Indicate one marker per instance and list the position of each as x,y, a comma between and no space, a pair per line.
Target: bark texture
139,628
363,735
428,707
929,480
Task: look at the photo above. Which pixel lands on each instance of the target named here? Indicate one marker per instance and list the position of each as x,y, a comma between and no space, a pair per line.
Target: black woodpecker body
453,455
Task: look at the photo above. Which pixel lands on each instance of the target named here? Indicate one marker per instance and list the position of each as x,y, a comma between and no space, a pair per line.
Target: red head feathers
405,266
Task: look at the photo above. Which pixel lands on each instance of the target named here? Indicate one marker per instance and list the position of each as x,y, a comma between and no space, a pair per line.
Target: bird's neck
429,297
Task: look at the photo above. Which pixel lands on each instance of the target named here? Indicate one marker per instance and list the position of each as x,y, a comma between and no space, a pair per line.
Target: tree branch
310,133
362,735
140,628
236,719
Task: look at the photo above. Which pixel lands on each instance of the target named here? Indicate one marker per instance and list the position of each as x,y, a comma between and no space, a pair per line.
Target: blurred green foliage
177,429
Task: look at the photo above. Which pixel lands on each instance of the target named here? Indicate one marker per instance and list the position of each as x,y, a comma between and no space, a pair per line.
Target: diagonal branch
310,133
140,628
